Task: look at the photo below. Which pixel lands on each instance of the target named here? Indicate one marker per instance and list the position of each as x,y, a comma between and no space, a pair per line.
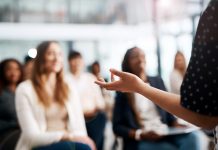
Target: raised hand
127,82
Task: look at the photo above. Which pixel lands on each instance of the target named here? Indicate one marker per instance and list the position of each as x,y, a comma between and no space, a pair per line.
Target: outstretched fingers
115,85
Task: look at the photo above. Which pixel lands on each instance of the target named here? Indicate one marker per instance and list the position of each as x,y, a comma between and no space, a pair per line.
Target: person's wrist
138,134
141,87
67,136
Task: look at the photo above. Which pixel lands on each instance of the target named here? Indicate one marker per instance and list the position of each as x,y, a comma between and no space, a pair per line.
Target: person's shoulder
88,78
68,77
89,75
25,84
69,81
156,81
73,93
25,87
154,78
175,73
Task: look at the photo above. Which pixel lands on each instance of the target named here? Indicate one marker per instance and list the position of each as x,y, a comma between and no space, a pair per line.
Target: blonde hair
175,66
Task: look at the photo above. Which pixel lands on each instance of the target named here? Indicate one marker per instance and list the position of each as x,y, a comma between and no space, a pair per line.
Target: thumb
101,79
118,73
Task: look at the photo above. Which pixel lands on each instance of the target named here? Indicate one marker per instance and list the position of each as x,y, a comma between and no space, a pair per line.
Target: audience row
42,108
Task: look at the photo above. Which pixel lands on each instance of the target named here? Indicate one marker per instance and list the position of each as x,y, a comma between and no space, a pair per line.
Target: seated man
91,98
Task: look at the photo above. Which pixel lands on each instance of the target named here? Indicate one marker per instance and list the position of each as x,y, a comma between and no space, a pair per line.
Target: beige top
149,115
175,81
32,118
56,117
89,93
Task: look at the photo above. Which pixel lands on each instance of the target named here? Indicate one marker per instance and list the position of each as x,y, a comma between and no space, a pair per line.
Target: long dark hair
3,79
125,63
61,88
130,96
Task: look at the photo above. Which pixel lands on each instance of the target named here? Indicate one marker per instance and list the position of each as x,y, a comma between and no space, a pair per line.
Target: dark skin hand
151,135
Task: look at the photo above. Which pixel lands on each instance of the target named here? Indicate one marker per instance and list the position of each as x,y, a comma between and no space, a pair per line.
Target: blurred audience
60,113
95,69
178,72
176,77
28,67
48,108
10,77
91,98
140,122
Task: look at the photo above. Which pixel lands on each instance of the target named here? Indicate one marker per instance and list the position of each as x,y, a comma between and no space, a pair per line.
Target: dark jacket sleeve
8,118
6,125
120,127
166,117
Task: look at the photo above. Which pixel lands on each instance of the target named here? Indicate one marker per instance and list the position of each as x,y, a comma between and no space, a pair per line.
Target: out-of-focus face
96,69
137,61
12,72
180,62
76,64
53,59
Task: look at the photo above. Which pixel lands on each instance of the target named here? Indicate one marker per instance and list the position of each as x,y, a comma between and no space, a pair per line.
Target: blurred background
102,29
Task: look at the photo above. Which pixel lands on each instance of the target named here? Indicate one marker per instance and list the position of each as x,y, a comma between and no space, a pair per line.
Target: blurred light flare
32,53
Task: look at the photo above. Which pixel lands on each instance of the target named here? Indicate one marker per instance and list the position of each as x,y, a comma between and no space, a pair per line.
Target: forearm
171,103
123,131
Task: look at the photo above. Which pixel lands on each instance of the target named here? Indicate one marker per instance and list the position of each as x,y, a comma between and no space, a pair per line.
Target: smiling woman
48,108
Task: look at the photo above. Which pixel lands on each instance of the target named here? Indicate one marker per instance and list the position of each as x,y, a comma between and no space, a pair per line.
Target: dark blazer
9,128
8,117
124,120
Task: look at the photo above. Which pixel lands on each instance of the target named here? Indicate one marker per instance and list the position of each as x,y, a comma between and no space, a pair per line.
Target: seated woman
140,122
49,112
10,77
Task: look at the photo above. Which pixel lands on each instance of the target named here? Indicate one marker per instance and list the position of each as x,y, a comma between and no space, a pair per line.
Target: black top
8,118
199,90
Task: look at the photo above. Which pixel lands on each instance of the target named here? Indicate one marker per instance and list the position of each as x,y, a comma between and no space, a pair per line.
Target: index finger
109,86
